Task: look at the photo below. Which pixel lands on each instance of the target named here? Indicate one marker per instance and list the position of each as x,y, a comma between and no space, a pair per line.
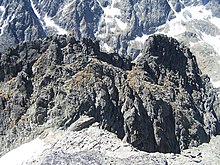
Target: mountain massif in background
121,26
105,71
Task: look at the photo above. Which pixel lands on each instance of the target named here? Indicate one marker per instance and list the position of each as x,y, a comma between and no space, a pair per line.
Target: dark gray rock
19,23
160,102
81,123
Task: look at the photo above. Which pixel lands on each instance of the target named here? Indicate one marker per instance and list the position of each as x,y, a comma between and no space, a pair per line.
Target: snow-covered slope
50,143
25,152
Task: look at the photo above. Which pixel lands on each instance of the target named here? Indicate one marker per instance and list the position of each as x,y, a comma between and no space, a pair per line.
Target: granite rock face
160,102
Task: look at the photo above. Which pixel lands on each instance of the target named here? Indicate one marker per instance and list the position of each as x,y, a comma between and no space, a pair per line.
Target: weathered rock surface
121,26
160,102
96,146
18,23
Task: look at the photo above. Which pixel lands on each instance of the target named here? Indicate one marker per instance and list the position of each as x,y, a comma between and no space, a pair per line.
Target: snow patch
216,84
215,21
110,17
2,9
113,29
188,16
111,10
139,56
121,24
176,27
5,22
50,23
182,3
172,7
35,10
199,12
107,48
141,39
192,13
24,153
103,35
213,41
65,8
37,14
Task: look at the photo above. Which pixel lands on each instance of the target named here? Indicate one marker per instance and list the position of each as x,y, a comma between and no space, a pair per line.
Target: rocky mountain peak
159,102
121,26
165,58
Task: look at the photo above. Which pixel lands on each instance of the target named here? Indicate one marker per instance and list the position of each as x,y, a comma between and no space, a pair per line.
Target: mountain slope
199,28
160,102
121,26
18,23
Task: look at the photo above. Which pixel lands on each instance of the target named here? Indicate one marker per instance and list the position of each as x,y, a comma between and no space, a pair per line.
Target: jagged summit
154,103
163,55
121,26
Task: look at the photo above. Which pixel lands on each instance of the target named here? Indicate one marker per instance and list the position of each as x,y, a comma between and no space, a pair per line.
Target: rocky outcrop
160,102
92,146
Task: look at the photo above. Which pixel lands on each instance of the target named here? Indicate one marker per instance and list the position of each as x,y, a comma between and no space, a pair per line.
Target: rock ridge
159,102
